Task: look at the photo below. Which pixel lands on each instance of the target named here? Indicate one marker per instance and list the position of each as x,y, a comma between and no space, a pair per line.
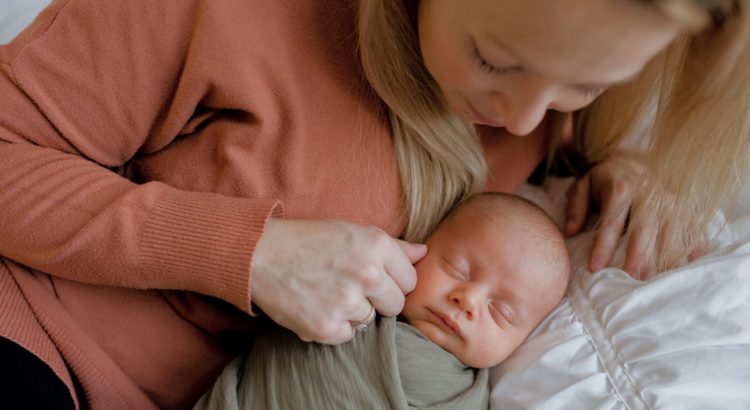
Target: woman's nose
523,107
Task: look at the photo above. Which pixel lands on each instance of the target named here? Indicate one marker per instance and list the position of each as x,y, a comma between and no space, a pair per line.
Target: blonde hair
698,144
699,86
439,155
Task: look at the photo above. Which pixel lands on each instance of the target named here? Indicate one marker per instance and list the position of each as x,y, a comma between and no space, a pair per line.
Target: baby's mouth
447,323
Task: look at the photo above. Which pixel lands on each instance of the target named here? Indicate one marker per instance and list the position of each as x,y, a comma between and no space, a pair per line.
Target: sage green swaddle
390,365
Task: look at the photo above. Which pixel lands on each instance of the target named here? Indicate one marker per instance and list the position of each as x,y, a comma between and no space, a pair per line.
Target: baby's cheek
435,335
488,349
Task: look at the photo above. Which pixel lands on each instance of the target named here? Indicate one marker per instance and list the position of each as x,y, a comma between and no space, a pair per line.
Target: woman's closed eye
586,91
489,68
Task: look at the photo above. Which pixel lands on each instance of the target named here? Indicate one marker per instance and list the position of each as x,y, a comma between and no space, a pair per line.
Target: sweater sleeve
86,88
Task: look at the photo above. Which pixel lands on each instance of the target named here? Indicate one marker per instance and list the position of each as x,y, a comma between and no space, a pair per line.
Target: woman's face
504,63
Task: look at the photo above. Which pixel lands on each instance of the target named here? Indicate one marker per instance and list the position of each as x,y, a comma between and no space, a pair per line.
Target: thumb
414,251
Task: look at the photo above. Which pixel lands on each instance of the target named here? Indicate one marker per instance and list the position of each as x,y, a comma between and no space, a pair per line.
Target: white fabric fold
678,341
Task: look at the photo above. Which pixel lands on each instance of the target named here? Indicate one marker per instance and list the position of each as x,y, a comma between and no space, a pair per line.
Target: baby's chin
434,334
468,358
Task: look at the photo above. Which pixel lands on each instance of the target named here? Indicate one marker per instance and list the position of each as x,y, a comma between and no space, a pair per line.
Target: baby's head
495,267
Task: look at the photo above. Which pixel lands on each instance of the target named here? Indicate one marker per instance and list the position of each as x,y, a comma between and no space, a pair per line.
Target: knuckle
622,188
370,277
347,299
322,330
379,240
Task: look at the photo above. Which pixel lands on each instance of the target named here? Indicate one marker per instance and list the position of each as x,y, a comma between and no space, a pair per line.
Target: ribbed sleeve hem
204,243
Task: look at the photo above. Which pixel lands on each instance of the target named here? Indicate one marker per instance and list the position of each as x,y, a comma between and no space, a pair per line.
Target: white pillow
680,340
15,15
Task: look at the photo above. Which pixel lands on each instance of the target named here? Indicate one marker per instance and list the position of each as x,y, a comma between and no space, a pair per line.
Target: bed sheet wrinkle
679,340
585,393
580,294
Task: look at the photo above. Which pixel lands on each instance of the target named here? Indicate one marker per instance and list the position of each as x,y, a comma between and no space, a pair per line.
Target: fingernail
596,264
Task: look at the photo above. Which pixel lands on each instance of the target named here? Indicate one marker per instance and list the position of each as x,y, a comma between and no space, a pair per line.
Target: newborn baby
495,267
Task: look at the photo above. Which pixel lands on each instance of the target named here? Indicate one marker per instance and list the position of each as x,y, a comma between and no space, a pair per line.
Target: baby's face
477,293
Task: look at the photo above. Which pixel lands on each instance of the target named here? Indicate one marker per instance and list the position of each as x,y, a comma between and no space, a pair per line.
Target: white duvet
678,341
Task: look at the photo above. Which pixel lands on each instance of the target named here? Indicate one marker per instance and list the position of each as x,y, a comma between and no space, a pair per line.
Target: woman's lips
481,119
446,323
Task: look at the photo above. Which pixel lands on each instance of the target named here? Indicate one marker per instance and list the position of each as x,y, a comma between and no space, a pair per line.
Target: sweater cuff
204,243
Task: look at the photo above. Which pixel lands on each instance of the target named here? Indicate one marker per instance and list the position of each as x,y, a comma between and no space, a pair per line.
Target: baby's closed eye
500,313
452,270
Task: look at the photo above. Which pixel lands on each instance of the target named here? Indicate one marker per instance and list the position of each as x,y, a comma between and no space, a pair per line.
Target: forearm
69,217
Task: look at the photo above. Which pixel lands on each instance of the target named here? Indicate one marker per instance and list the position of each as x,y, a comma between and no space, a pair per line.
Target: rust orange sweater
144,144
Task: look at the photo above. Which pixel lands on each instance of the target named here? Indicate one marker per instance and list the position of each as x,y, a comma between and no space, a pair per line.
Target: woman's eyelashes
489,68
588,92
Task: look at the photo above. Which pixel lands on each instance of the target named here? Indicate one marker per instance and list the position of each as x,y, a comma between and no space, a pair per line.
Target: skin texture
505,63
484,285
320,302
535,54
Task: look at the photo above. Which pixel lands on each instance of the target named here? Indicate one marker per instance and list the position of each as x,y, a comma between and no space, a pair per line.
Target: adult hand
317,277
611,185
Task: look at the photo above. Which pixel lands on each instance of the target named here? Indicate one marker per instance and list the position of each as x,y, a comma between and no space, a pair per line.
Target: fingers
615,206
316,277
641,243
329,327
414,251
400,265
386,296
387,293
343,333
578,206
365,315
699,250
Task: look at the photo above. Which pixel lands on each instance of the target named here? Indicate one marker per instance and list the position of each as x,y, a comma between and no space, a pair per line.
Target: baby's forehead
500,208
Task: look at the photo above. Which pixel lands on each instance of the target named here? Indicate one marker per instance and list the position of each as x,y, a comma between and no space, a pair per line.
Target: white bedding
15,15
678,341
